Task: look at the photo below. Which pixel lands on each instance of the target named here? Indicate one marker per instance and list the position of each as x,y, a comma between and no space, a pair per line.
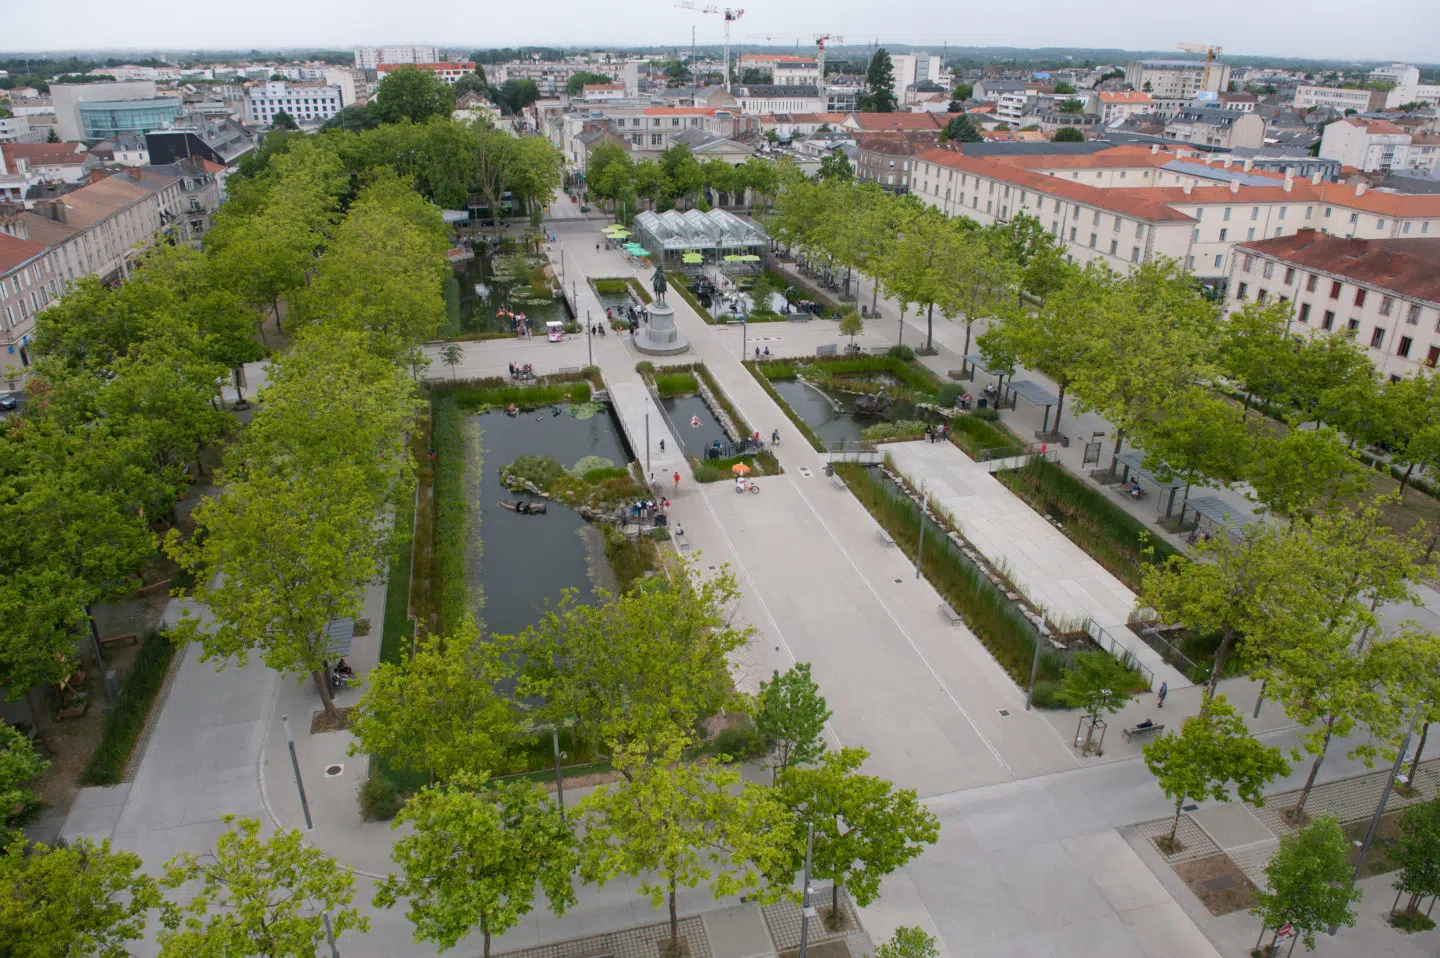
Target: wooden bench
1141,731
110,640
950,614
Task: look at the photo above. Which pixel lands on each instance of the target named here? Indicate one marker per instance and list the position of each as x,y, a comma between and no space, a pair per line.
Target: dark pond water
527,560
830,425
482,295
695,439
614,299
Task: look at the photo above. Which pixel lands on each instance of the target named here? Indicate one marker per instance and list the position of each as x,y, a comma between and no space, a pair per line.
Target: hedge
128,713
448,563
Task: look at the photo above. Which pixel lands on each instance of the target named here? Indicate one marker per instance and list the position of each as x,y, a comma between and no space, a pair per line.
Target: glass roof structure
694,231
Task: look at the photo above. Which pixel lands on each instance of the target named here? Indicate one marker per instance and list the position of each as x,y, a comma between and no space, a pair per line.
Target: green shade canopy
693,258
617,232
732,258
748,258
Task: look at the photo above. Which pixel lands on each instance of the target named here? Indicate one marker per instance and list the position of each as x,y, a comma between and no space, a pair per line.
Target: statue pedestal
659,337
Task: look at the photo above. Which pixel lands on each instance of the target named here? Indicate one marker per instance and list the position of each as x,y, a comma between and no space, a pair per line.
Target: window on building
1405,228
1227,214
1289,275
1219,257
1093,238
1353,326
1354,218
1387,303
1199,212
1114,247
1305,313
1360,297
1247,263
1262,295
1224,233
1254,212
1283,211
1377,335
1403,350
1328,321
1072,234
1379,224
1240,290
1268,270
1250,234
1139,230
1335,289
1195,235
1134,254
1311,282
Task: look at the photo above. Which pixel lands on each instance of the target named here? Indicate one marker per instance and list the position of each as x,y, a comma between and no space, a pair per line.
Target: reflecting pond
682,411
526,561
817,408
483,294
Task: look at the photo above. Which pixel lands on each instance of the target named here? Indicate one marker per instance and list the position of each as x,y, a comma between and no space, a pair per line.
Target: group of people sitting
526,371
341,676
633,315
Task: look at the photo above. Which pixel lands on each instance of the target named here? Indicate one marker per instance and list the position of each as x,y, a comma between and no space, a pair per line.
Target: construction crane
730,17
820,39
1211,52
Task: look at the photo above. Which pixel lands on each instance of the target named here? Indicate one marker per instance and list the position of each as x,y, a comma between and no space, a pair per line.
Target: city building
311,103
449,71
1244,102
1113,105
1399,74
760,98
551,76
91,231
1176,79
1339,98
1215,127
781,69
602,92
1379,146
1385,294
644,132
913,68
107,119
48,164
200,194
886,158
370,58
350,83
67,99
221,141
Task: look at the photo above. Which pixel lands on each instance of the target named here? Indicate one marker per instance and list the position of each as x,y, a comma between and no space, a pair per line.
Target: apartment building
1216,127
1113,105
1383,293
450,71
370,58
551,76
755,99
1176,79
781,69
913,68
644,132
310,103
1339,98
886,158
92,231
1379,146
1127,204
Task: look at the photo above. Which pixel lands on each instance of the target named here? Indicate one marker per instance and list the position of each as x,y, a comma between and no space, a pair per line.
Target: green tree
1309,884
472,83
283,121
880,83
791,717
438,711
651,182
452,354
257,897
515,95
475,858
672,825
1071,106
19,766
865,827
852,325
636,666
984,267
609,172
1068,134
1063,88
254,541
1099,684
1213,753
683,176
581,78
962,91
413,94
1305,469
835,166
1194,435
960,130
908,942
1257,352
1417,851
81,899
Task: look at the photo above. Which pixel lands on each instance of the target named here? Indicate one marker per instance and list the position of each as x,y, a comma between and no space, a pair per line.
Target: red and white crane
731,15
820,39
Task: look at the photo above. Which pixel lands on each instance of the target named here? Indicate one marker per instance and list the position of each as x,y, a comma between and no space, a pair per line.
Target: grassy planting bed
1111,536
448,563
494,391
1001,628
676,384
127,716
842,371
977,436
682,286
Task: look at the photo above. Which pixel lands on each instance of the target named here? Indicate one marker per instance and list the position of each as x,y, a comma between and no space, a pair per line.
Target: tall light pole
807,910
920,546
309,825
589,336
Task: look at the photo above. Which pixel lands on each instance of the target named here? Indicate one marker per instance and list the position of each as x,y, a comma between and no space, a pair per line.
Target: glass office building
104,119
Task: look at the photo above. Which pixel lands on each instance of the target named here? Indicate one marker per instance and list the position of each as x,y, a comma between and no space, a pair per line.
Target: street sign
1286,930
1092,455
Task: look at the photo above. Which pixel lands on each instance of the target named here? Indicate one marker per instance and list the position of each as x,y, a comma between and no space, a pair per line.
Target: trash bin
829,469
660,519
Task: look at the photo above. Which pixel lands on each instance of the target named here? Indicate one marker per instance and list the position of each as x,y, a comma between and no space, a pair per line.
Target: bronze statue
659,284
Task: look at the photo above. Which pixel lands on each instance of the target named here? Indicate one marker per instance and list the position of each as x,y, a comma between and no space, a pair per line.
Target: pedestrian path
1054,573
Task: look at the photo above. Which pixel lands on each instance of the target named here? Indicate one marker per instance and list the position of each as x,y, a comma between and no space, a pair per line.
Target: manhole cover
898,581
1220,883
805,471
332,770
1004,713
1191,808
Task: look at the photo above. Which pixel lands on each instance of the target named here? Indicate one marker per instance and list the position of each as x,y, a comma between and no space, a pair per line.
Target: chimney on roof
1315,178
134,173
51,209
1234,186
1289,178
1249,163
1154,148
1189,185
1228,159
1360,188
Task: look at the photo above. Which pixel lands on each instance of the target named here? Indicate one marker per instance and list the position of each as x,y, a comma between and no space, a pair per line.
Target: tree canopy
410,93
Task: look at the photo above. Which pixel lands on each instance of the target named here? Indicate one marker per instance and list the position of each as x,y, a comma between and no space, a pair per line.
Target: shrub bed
1006,633
448,562
831,370
759,371
396,630
1111,536
900,430
977,436
497,392
127,716
676,384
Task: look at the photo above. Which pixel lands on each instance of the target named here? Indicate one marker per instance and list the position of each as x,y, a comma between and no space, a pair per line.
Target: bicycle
750,486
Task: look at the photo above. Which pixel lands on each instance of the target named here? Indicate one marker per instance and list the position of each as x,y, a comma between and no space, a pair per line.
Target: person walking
677,481
775,437
1160,695
662,445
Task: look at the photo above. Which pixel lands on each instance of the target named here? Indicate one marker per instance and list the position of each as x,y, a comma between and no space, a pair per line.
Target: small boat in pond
524,507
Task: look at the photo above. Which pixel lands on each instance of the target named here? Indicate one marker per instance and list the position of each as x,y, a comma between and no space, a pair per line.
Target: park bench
829,349
1125,494
110,640
950,614
1141,731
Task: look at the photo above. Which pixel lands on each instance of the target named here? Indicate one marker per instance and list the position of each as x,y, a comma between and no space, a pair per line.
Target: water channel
483,295
526,561
818,408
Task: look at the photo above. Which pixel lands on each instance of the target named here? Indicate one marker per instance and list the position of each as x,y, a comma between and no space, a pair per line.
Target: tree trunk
835,905
1175,825
1415,762
1259,938
485,930
276,307
1299,808
674,923
1059,408
874,293
239,389
1115,454
930,327
323,684
1404,479
963,361
1221,654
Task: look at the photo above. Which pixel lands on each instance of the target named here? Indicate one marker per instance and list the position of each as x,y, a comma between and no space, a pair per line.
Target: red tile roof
14,252
900,121
1125,96
1407,267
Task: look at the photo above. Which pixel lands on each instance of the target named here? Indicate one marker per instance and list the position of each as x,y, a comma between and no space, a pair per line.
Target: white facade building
1176,78
1378,146
370,58
304,102
1339,98
449,70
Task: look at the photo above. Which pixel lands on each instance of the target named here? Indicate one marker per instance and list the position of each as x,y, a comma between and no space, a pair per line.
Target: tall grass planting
498,392
676,384
1113,537
996,622
448,564
977,436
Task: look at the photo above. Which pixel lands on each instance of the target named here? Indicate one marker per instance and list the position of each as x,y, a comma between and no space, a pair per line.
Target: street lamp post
309,825
589,336
920,546
807,910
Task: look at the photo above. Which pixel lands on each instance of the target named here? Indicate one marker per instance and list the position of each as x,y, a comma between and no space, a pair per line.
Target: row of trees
634,678
677,178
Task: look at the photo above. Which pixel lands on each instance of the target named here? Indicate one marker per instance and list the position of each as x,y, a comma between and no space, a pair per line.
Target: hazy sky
1400,29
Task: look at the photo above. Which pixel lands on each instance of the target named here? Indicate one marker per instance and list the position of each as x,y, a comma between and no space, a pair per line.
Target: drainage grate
1004,713
805,471
333,770
898,581
1190,808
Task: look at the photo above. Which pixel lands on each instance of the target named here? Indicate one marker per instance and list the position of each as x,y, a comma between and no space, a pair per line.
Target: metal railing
1015,457
1153,637
865,453
1107,641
